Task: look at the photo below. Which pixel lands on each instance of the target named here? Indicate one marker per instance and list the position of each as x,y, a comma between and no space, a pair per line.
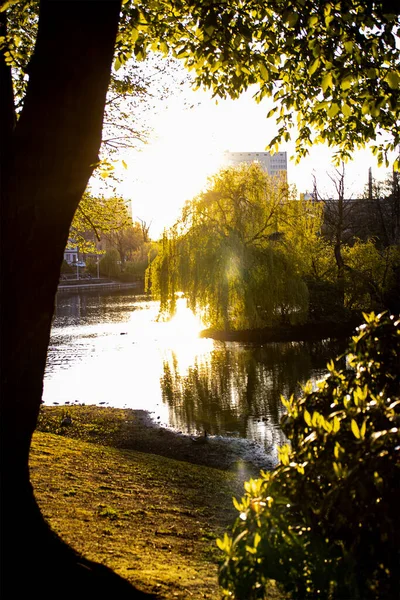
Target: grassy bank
152,519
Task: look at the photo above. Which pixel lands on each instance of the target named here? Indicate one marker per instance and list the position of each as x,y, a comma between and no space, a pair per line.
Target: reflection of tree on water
236,389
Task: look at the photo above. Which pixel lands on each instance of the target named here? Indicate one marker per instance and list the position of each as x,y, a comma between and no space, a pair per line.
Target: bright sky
188,145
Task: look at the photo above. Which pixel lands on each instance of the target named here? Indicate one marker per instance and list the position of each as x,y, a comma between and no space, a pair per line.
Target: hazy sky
188,144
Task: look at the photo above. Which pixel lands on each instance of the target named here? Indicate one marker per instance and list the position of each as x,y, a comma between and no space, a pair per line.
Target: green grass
154,520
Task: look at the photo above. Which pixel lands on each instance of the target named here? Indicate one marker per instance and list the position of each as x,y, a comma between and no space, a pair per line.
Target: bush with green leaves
109,266
66,268
326,522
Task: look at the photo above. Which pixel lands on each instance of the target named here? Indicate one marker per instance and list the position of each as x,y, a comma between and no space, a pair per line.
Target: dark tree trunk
47,159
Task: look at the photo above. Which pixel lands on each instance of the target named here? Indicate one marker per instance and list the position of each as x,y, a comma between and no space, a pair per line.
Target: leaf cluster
325,522
97,216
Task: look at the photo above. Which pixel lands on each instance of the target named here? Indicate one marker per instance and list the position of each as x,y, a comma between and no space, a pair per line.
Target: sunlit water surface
110,350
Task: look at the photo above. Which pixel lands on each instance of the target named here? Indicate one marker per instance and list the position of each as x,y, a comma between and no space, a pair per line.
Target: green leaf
264,72
348,46
337,469
365,108
164,48
236,504
393,79
346,110
292,19
355,429
326,425
307,418
7,5
134,35
314,66
226,543
316,419
221,545
326,82
345,83
333,110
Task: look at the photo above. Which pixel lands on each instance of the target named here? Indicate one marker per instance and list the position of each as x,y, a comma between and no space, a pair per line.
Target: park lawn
153,520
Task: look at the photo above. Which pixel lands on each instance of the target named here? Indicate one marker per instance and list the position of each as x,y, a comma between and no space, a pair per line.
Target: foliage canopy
325,522
332,68
95,217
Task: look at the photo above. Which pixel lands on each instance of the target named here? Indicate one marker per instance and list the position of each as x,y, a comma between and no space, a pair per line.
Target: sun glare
184,324
180,339
171,169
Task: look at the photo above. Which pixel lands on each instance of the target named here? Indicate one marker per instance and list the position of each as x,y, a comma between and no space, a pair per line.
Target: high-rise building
272,164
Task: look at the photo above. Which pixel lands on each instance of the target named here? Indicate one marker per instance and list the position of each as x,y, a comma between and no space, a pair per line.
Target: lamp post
77,262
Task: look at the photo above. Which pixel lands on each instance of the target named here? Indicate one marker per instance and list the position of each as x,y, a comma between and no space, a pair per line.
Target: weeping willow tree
239,252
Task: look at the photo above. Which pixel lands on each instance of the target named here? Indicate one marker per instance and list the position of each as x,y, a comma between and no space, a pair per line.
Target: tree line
104,232
247,254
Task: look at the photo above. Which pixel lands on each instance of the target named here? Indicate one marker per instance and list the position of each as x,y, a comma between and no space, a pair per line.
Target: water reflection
236,388
110,349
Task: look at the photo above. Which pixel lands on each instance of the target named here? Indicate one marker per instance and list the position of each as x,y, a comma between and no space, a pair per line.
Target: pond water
109,349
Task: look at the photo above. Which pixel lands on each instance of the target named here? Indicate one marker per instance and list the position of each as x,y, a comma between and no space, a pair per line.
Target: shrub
325,523
325,301
66,268
109,264
91,266
134,270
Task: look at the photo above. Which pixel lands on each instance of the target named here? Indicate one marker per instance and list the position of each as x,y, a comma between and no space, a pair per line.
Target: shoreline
130,429
92,286
307,332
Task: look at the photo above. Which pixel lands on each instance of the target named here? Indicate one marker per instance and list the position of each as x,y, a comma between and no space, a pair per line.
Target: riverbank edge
65,288
131,429
307,332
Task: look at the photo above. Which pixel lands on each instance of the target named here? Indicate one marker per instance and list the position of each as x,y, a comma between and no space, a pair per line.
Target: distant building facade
273,164
71,256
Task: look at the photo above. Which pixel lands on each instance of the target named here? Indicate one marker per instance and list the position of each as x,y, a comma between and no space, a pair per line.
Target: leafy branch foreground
325,522
154,520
